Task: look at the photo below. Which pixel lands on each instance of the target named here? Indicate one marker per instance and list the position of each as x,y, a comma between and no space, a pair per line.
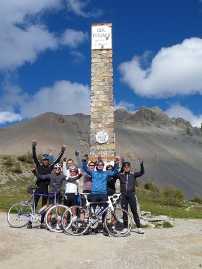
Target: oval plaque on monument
102,137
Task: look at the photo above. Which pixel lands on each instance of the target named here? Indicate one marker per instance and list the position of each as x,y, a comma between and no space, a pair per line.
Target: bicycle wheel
53,218
79,221
19,214
118,222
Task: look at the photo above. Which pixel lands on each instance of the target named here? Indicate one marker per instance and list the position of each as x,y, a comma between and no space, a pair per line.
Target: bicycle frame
33,205
110,205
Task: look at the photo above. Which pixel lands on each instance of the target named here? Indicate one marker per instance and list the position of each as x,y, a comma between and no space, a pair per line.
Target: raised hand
63,148
86,157
140,160
34,142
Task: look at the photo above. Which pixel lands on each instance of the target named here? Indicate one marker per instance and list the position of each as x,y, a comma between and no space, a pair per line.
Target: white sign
102,137
101,36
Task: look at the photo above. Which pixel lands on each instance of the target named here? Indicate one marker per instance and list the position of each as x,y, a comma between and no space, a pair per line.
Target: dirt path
179,247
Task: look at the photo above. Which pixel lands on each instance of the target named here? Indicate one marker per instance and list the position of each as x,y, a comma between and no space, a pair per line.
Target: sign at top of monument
101,36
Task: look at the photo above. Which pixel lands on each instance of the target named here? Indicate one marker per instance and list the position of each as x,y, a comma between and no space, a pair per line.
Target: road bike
115,220
23,212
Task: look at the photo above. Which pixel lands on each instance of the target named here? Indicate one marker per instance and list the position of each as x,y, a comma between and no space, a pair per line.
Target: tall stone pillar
102,135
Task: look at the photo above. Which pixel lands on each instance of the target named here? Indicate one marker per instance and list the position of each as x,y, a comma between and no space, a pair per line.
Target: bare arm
65,170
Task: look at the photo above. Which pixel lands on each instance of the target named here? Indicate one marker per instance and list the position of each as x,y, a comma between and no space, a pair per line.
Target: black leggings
129,199
44,197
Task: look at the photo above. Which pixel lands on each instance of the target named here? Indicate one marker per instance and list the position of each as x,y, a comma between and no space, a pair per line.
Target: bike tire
114,222
80,225
19,214
53,218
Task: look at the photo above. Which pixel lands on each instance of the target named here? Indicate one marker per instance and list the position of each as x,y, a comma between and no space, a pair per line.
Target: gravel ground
178,247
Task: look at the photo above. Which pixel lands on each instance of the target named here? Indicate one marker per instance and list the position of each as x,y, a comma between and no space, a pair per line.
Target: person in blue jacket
99,181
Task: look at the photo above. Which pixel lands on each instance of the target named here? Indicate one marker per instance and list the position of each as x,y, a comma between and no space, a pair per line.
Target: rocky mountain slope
171,148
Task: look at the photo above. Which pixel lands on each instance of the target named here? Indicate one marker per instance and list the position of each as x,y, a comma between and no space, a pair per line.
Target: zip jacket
44,170
55,181
99,178
128,180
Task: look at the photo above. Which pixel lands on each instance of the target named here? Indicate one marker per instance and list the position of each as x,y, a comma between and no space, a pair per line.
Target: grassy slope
168,202
15,177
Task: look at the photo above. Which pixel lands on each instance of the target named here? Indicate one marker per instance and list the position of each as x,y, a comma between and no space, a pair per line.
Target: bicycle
21,213
117,221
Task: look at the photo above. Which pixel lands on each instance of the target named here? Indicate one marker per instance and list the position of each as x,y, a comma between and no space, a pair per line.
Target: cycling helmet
109,167
45,157
126,164
57,166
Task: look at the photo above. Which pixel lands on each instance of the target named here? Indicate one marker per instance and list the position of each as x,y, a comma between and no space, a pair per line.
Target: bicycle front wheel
79,221
19,214
53,218
118,222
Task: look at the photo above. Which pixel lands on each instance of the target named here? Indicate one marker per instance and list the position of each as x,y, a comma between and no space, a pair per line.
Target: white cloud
18,46
23,37
73,38
63,97
79,8
175,70
9,117
178,111
125,105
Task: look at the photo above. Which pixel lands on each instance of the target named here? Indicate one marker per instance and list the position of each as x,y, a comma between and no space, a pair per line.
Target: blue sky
45,56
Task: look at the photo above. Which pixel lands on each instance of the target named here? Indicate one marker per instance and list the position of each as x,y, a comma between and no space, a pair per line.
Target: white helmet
57,166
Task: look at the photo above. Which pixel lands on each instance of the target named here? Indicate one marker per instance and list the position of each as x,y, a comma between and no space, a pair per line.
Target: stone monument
102,135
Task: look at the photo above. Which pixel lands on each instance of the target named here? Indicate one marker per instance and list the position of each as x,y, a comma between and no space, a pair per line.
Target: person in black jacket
111,181
43,168
127,188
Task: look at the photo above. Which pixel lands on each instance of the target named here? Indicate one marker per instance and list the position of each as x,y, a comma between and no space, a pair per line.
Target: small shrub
197,200
8,161
167,224
27,158
150,186
17,169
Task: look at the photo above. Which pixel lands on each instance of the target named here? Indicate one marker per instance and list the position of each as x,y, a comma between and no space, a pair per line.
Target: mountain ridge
171,148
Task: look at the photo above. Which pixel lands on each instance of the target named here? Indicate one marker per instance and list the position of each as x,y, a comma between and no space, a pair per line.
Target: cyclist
99,182
127,186
55,180
111,181
87,179
71,187
43,168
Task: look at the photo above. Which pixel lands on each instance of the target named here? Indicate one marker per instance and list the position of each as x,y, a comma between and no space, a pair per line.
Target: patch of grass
172,196
171,211
167,201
